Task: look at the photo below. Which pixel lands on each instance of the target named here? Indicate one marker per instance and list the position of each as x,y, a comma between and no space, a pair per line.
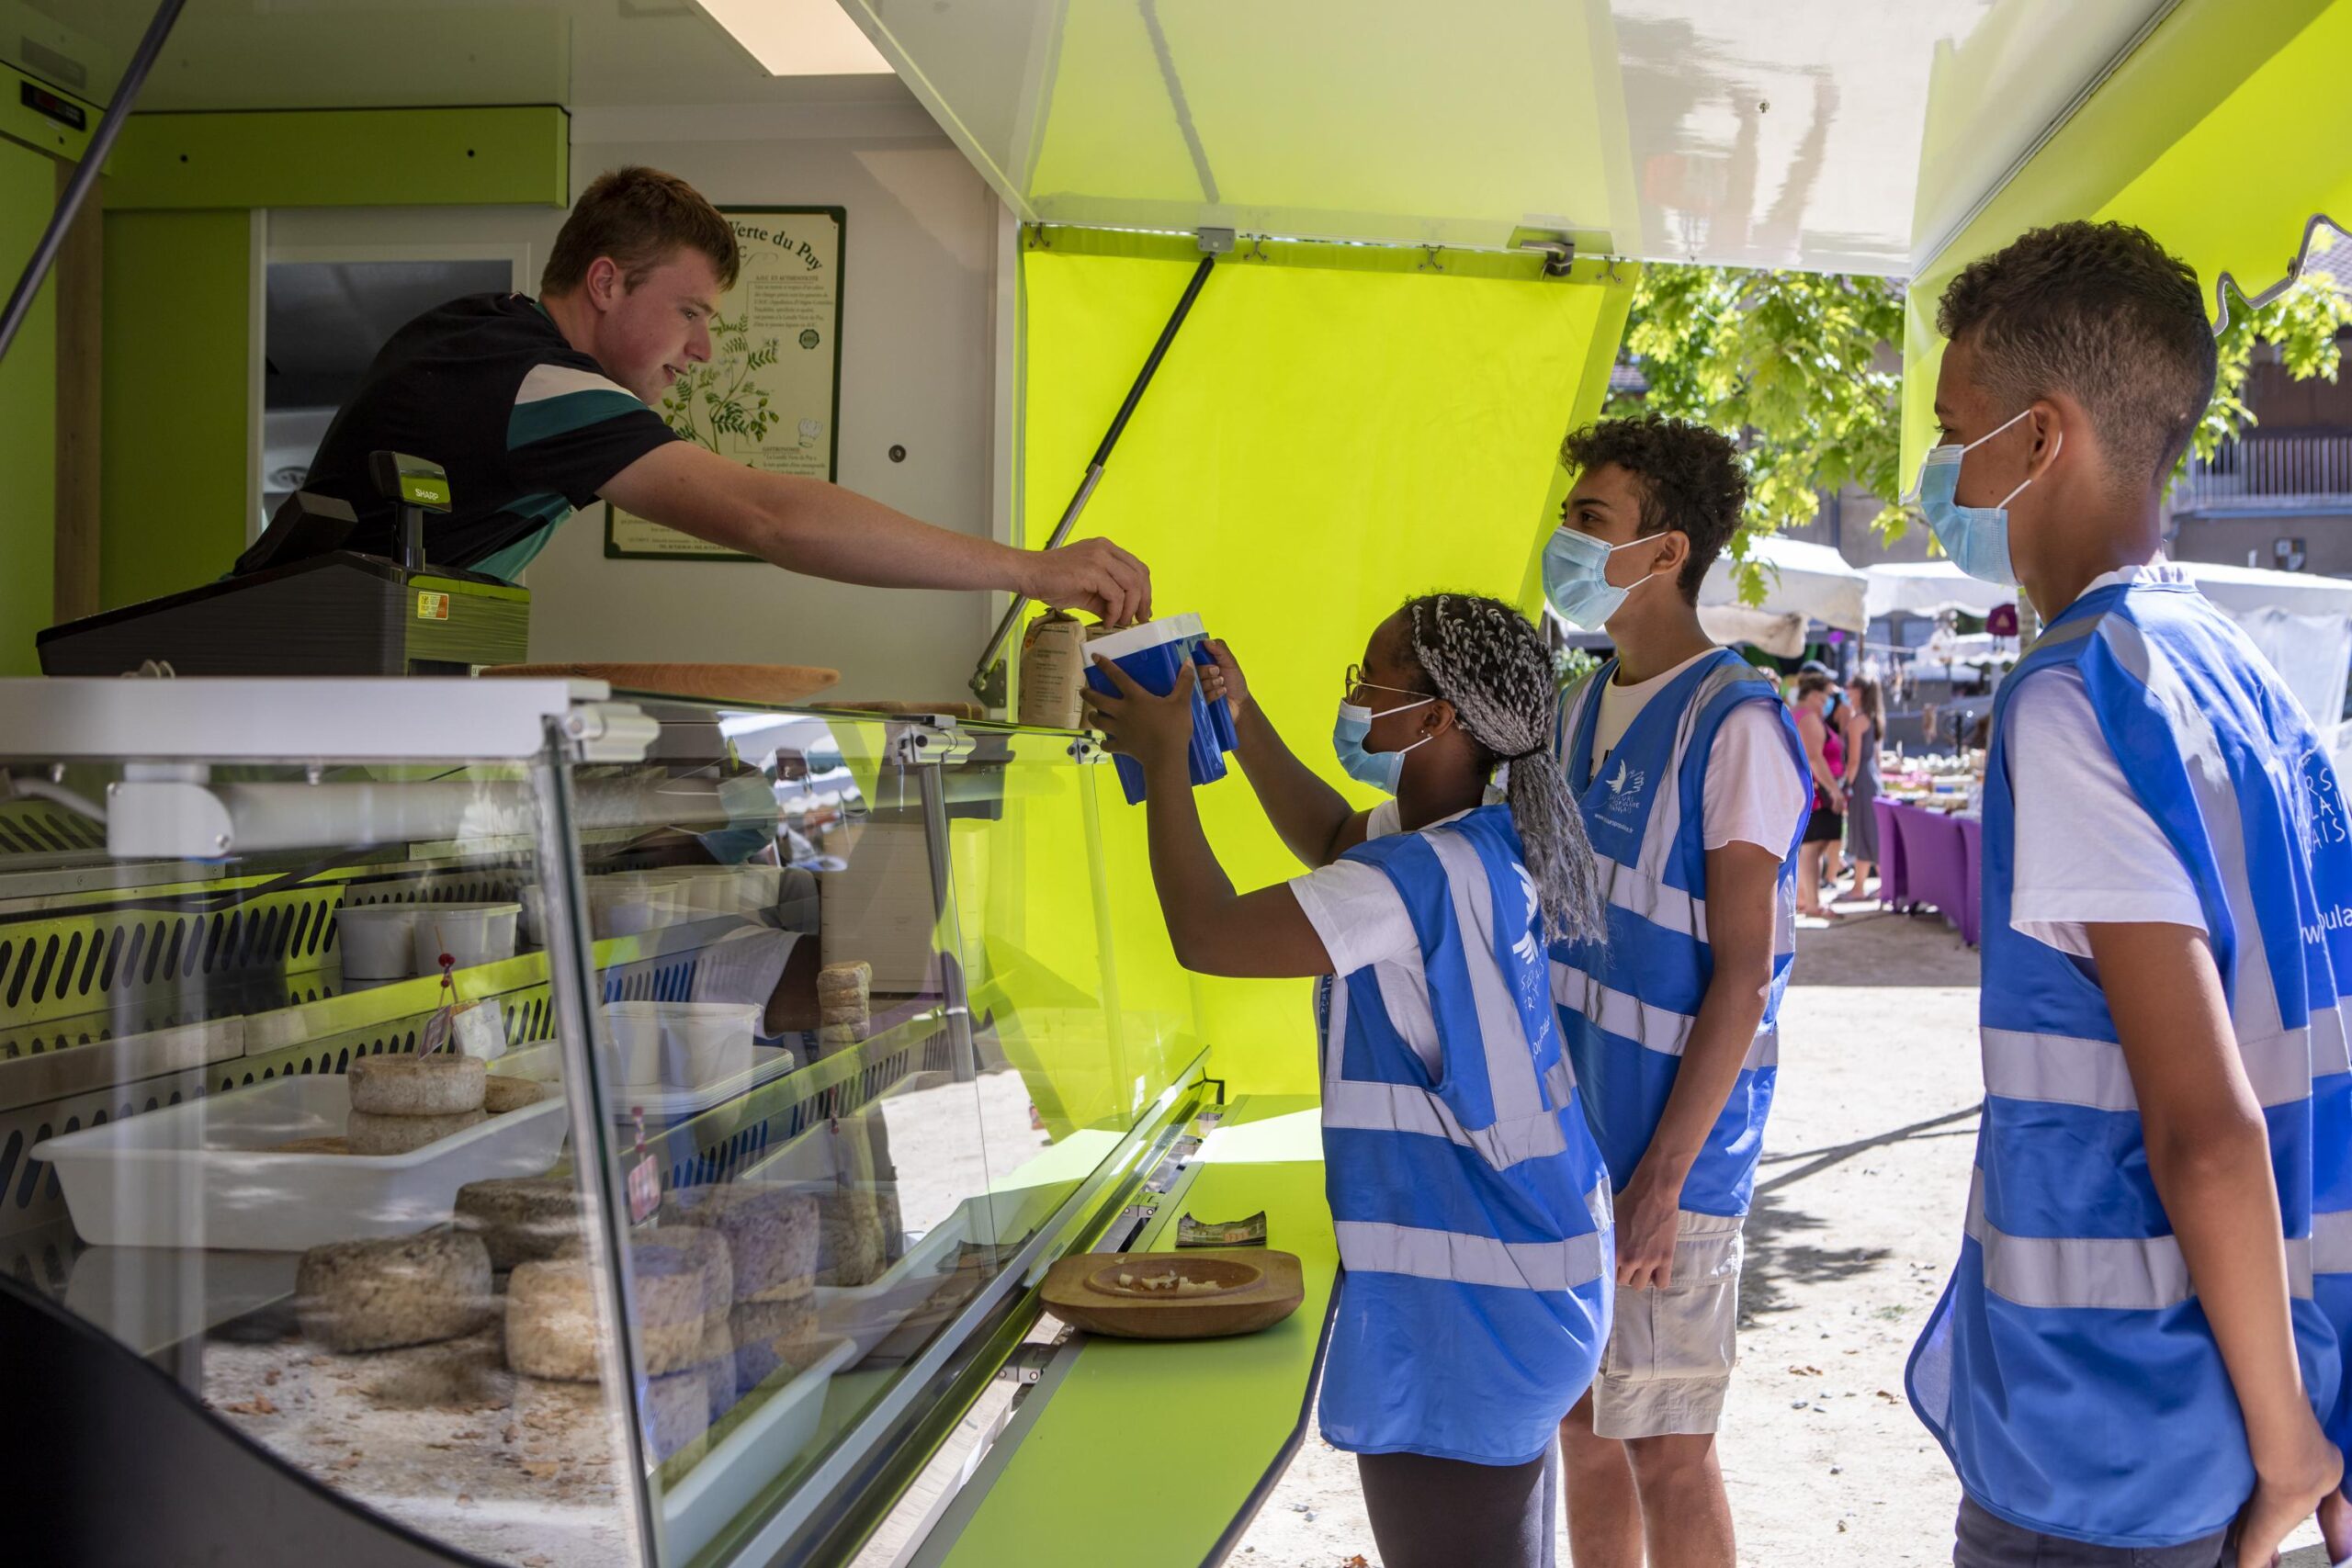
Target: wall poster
767,397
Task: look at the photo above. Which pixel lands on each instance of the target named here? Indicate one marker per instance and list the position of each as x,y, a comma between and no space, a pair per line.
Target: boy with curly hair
1694,786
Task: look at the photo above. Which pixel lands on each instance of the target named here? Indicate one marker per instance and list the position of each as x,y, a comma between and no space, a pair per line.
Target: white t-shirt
2086,851
1362,920
1753,793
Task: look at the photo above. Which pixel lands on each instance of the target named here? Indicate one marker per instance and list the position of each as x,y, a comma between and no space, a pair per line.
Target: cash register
316,608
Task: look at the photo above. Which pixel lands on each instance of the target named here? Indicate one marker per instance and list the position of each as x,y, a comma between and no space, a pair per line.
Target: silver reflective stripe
1357,1106
2058,636
2068,1070
1510,1064
1653,900
2331,1244
2112,1273
1368,1247
1654,1028
1665,808
2329,1053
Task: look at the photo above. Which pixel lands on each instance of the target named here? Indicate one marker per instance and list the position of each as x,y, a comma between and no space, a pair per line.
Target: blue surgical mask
1975,538
1380,770
1573,580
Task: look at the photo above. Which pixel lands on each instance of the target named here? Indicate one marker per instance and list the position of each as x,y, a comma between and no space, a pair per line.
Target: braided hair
1489,662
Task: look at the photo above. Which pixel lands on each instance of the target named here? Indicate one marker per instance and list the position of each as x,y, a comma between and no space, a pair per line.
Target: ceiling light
798,38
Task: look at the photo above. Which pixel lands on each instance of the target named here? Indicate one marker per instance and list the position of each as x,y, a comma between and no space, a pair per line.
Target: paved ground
1856,1220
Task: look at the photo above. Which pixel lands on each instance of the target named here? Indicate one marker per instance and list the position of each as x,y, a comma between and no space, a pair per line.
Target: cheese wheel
443,1084
551,1325
771,1337
411,1289
522,1219
502,1092
771,1234
372,1134
677,1416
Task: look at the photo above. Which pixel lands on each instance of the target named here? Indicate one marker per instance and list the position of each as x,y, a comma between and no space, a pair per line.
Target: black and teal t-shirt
528,427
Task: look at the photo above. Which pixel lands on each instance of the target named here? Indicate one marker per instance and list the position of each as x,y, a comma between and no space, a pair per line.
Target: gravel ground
1856,1223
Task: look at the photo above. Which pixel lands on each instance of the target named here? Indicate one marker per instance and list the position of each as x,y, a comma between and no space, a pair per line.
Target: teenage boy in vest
1694,790
2139,1359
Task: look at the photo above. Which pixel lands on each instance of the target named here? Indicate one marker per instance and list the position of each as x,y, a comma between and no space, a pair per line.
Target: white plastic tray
202,1174
747,1461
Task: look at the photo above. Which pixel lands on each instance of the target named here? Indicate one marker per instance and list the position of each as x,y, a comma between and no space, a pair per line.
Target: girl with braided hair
1468,1195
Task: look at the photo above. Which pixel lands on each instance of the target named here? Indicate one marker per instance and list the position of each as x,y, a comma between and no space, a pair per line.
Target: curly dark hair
1690,478
2103,314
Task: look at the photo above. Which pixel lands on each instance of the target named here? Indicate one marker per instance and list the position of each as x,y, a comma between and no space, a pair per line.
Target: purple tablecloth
1894,884
1940,858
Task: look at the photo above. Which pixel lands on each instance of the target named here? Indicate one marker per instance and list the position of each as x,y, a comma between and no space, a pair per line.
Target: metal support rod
85,172
1003,632
947,918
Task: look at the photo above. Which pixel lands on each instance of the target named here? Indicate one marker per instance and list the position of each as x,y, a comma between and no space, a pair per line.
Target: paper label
431,606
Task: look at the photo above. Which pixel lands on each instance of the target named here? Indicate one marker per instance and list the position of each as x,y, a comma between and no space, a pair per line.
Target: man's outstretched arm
822,530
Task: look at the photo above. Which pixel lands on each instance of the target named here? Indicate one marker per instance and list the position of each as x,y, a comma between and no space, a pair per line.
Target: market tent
1811,581
1928,587
2301,622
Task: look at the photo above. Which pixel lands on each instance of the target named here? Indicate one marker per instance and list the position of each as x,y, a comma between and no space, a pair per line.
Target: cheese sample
413,1290
771,1337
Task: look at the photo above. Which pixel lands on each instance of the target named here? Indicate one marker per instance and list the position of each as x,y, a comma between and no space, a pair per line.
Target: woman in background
1865,733
1826,825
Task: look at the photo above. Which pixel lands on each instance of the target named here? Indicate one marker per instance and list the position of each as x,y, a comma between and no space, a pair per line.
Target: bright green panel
28,417
1079,1478
1319,445
174,441
2207,136
344,157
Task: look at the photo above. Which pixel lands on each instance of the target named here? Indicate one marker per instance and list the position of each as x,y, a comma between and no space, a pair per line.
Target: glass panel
860,1041
291,1125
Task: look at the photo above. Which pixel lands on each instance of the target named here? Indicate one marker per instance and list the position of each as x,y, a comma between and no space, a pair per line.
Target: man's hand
1647,1230
1092,575
1151,730
2283,1500
1224,679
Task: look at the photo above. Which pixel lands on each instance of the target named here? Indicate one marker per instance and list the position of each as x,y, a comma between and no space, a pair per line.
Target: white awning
1929,587
1812,581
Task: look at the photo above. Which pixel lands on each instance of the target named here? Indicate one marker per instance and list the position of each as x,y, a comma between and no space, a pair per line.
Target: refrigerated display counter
502,1120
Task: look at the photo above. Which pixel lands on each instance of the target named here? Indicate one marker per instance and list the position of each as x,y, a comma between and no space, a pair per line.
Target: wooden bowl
1234,1290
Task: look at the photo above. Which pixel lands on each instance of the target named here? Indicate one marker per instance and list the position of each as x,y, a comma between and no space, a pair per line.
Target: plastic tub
630,904
1153,655
471,933
376,940
680,1045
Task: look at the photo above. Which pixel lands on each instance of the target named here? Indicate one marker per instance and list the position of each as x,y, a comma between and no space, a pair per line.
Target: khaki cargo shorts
1670,1354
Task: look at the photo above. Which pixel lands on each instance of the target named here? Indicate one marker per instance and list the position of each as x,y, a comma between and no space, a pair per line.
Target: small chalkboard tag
1251,1232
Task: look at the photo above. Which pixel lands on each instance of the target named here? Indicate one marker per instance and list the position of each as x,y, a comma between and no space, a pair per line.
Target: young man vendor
1693,787
2140,1358
537,407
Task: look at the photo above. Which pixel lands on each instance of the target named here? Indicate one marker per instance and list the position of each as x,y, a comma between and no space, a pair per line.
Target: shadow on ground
1875,947
1782,1259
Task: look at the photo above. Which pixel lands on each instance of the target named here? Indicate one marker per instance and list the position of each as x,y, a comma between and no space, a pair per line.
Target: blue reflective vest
1472,1213
1627,1004
2068,1369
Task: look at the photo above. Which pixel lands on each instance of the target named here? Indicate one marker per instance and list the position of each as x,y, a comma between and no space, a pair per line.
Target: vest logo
1626,789
2322,802
2335,920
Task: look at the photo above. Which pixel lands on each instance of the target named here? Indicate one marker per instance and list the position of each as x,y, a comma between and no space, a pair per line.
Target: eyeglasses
1357,679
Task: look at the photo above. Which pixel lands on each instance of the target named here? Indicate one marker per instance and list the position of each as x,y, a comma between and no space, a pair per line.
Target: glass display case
575,1132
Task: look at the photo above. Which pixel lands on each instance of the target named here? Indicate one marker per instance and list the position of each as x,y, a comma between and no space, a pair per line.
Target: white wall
918,302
